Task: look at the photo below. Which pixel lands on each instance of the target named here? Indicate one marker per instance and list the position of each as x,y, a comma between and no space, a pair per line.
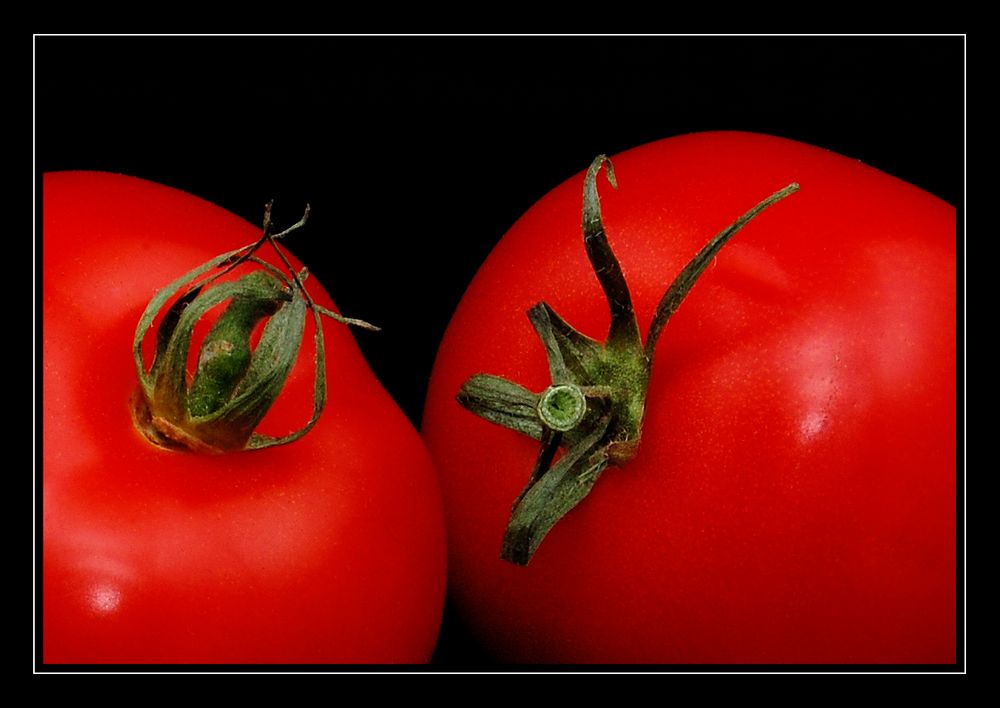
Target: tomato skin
794,495
327,550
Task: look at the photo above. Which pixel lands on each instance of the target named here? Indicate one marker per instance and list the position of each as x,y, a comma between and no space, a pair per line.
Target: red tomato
327,550
793,498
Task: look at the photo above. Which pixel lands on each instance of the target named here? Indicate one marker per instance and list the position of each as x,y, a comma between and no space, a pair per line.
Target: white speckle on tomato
812,423
104,598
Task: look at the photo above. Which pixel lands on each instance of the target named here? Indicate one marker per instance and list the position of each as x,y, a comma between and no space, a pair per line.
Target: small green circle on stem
562,406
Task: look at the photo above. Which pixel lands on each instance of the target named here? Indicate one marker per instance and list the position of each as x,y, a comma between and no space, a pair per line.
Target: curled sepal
502,402
553,493
217,407
683,283
594,408
624,330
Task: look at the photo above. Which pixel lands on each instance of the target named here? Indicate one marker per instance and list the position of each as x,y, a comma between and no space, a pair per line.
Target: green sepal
580,355
556,491
503,402
232,425
685,280
623,332
296,309
169,324
148,378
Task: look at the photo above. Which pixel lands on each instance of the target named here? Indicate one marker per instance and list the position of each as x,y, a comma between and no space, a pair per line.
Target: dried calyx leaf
218,407
595,406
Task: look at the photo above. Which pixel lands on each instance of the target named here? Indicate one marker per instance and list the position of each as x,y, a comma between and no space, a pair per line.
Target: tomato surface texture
793,499
327,550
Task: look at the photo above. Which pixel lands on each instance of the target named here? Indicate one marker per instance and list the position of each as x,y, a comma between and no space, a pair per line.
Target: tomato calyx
594,408
217,408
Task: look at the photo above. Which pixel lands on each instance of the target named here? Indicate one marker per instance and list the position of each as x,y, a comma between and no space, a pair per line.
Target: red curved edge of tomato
794,496
329,550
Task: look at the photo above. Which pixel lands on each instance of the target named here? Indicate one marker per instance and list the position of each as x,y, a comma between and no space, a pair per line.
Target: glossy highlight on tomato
793,496
327,550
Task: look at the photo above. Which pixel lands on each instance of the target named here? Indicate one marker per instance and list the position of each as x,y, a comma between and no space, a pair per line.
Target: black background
417,153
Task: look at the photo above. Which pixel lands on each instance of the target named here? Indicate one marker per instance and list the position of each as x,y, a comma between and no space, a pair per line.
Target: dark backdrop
417,153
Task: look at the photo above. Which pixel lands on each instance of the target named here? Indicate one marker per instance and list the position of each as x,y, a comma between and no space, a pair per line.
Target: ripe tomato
793,498
327,550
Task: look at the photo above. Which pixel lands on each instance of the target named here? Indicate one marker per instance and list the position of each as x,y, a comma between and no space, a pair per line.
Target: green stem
596,404
234,384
